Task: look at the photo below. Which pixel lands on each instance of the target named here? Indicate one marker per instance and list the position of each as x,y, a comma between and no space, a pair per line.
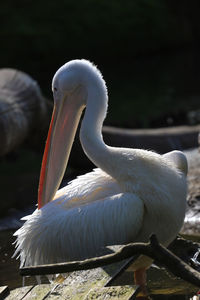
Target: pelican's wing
113,220
55,233
87,188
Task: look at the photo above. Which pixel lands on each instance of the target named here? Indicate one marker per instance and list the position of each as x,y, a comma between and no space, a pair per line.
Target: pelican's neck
91,127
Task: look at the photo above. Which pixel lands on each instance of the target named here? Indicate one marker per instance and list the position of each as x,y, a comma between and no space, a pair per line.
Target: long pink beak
63,126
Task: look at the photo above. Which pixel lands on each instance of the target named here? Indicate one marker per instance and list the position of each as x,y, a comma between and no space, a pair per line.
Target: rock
22,108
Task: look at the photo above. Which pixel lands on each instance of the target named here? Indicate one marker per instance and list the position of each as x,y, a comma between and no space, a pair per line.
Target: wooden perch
22,108
152,249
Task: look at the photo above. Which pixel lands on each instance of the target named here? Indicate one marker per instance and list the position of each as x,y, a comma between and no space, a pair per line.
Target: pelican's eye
55,89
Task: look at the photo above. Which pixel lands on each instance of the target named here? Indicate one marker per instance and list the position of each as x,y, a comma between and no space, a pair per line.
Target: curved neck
91,127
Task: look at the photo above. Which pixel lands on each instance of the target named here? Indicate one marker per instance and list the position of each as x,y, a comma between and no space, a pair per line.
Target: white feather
92,212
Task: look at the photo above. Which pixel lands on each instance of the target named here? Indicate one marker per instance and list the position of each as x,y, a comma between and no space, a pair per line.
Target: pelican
130,195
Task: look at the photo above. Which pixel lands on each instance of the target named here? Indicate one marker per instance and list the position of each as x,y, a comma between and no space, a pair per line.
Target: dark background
146,49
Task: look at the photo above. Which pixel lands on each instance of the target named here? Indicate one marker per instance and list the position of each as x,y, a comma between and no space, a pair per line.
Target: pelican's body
132,194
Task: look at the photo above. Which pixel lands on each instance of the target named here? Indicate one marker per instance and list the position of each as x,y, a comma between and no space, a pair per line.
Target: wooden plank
75,286
38,292
78,284
112,293
84,285
19,293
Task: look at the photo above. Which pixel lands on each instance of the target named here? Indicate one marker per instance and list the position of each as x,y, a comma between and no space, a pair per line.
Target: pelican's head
76,75
70,95
67,80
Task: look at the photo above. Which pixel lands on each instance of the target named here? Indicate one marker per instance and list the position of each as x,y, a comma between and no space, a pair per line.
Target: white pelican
132,194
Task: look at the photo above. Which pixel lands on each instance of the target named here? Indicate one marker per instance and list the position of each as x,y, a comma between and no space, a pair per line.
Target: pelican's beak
65,118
